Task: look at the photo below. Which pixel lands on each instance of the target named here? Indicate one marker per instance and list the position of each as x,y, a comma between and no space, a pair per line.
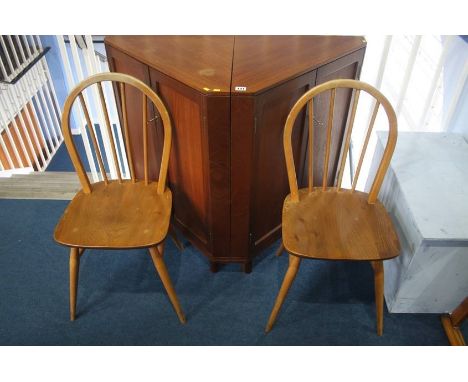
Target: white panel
425,192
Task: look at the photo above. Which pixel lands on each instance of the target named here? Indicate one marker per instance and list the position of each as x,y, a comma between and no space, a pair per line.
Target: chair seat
117,215
338,226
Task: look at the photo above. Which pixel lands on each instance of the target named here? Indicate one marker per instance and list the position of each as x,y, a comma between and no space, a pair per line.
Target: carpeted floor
121,301
62,162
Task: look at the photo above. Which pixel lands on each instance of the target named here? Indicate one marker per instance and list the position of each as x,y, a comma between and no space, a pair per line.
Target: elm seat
142,222
334,225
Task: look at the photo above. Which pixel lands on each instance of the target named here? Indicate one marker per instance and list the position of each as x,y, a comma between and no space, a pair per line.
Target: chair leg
294,262
280,249
157,257
175,239
74,271
379,293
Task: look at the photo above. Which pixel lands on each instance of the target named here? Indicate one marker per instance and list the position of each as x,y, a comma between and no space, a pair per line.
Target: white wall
453,73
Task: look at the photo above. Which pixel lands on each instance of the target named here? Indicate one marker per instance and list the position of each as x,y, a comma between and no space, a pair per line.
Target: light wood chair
333,223
122,213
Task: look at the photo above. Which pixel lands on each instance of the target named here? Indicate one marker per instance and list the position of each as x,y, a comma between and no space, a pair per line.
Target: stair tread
56,185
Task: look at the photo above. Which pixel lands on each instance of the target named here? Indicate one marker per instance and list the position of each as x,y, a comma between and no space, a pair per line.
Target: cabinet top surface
220,64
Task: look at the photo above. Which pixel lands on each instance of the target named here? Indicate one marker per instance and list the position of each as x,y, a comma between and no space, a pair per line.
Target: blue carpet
121,301
62,162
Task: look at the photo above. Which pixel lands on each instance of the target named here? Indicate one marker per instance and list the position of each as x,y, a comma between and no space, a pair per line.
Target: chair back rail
306,100
147,93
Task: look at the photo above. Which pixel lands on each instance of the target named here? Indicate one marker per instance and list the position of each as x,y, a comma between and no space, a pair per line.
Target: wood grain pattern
194,221
288,57
126,215
201,62
188,169
338,226
204,62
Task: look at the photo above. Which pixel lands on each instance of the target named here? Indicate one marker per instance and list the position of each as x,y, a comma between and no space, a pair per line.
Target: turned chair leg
75,254
280,249
379,293
294,262
157,257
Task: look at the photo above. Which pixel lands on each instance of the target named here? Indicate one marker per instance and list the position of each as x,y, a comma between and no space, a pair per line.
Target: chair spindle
344,154
93,138
366,141
109,131
311,145
128,146
145,138
329,131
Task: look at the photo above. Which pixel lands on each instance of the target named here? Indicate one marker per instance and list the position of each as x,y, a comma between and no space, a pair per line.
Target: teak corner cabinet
228,97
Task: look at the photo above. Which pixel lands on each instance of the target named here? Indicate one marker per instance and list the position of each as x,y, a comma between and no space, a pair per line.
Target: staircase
40,185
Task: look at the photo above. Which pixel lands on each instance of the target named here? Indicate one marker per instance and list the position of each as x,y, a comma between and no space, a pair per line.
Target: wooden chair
333,223
123,213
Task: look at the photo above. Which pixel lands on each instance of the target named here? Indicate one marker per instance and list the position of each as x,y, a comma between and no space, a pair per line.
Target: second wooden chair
333,223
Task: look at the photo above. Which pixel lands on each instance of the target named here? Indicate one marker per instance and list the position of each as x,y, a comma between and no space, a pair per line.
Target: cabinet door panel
269,179
346,67
122,63
187,169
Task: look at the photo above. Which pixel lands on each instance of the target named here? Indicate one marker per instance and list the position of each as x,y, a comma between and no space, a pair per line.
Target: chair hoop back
147,93
307,99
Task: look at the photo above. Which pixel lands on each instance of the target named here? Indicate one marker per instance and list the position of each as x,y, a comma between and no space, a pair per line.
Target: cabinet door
269,177
188,164
199,163
122,63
